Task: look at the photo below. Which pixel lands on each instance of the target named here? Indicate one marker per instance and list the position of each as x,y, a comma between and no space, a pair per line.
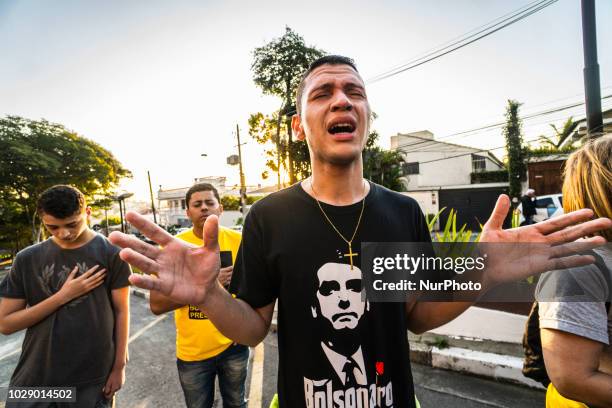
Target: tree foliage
230,203
38,154
112,220
382,166
277,68
555,143
514,148
263,129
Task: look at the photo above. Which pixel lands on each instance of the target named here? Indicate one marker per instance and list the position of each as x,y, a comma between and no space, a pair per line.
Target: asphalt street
152,379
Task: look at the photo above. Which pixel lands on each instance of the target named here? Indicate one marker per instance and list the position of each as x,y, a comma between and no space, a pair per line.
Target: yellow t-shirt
556,400
196,337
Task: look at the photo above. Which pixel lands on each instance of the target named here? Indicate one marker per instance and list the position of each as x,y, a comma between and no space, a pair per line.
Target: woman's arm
572,363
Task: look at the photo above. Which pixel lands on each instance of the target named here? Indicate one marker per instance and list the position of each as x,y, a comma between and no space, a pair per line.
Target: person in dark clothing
529,206
71,295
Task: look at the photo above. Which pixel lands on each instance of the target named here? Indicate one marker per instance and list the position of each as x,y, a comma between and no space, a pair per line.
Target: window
410,168
544,202
183,204
548,204
479,163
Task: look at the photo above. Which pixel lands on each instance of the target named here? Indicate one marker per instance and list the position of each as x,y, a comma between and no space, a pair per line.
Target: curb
142,293
490,365
500,367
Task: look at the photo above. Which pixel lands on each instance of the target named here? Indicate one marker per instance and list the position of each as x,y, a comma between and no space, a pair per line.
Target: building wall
440,173
473,205
428,200
438,166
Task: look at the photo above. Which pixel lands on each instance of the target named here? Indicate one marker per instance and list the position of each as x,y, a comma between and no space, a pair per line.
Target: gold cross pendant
350,255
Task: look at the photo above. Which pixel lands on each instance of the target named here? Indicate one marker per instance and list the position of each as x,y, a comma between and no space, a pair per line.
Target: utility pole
152,202
121,215
106,220
242,183
592,90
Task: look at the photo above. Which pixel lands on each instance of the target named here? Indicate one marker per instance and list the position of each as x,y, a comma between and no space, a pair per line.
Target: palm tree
555,142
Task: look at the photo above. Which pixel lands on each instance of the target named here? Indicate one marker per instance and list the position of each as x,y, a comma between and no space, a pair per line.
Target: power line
467,154
516,17
466,133
532,125
463,36
470,153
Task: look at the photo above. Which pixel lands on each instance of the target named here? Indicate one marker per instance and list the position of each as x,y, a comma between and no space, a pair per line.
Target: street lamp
121,198
232,161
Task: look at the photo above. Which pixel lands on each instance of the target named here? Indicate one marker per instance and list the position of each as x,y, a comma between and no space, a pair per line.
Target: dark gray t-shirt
74,345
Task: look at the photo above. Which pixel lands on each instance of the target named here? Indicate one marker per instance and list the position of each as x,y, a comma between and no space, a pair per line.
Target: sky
160,82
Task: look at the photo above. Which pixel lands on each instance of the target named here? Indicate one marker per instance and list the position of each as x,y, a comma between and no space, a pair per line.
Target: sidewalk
481,342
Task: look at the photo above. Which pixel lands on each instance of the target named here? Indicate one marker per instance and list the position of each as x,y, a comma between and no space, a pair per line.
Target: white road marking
256,386
147,327
11,353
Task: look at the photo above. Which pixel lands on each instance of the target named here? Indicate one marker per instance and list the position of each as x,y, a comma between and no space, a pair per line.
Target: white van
547,206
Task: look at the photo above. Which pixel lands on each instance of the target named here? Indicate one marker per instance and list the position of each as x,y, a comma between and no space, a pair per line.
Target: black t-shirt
74,345
335,350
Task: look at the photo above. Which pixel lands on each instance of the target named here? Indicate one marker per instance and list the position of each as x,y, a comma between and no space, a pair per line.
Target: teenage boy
202,352
71,294
288,237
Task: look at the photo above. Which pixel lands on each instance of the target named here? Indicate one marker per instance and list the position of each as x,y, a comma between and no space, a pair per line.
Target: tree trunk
278,150
292,175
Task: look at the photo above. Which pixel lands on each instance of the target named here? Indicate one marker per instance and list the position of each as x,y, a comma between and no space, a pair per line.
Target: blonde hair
587,179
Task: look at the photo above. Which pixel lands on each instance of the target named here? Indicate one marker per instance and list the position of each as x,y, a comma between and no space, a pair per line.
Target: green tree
277,68
263,129
112,220
230,203
555,142
13,235
38,154
514,148
382,166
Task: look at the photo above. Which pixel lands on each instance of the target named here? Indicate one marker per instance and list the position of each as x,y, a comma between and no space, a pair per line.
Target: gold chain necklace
350,254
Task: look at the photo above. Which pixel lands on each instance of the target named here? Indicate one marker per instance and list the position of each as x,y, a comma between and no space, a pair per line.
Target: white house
439,174
171,202
432,163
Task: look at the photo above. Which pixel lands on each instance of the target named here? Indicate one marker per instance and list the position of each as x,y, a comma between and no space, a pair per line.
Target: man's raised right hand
184,273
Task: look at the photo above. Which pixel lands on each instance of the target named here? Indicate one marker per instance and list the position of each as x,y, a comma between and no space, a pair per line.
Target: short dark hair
325,60
201,187
60,201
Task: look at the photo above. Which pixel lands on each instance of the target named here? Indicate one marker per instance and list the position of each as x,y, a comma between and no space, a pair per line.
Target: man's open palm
184,272
517,253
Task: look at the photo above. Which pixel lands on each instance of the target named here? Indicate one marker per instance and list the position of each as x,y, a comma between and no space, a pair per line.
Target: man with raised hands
289,235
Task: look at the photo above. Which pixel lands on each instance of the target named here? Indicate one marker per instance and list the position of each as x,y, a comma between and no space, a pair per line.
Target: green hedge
497,176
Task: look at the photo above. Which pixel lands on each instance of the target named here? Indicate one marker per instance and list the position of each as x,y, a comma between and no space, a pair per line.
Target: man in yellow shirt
202,351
